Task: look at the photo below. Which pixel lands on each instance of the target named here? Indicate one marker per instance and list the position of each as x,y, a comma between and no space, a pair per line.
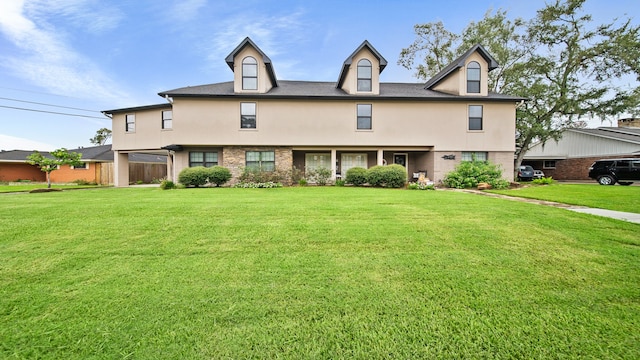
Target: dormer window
473,78
364,75
249,73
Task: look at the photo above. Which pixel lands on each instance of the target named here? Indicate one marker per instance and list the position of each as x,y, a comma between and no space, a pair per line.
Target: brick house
258,121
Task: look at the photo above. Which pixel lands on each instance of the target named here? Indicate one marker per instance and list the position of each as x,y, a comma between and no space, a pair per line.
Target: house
570,157
97,167
258,121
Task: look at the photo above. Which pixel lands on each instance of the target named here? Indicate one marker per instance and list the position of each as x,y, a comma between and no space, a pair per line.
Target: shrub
543,181
194,176
339,182
218,175
258,185
302,182
319,176
356,176
167,185
469,174
84,182
393,176
420,186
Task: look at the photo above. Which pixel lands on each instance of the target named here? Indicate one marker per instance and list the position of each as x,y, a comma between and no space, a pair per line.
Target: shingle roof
100,153
328,90
631,135
137,108
459,62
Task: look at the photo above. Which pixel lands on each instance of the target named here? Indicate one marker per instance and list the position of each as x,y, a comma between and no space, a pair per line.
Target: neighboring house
97,166
571,156
260,122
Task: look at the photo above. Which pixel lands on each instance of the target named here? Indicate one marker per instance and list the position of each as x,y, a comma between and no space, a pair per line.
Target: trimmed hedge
199,176
356,176
391,176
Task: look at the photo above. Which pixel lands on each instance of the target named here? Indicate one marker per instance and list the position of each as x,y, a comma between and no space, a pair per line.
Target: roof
230,59
137,108
631,135
328,91
101,153
347,63
459,62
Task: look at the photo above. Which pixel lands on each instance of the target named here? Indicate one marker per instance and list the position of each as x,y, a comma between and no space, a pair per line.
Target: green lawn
334,272
618,198
5,188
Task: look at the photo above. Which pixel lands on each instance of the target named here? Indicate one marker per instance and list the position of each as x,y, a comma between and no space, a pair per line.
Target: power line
38,103
53,112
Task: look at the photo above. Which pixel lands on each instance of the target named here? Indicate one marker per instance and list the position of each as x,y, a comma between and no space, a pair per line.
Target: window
203,158
474,155
130,125
167,116
473,77
364,75
364,117
349,161
475,117
249,74
315,161
549,164
261,160
248,115
81,166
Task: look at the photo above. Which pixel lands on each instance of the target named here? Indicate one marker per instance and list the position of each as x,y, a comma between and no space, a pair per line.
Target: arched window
364,75
249,74
473,77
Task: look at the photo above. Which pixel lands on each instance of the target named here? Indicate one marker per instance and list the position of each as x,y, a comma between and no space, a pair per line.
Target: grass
22,187
312,272
618,198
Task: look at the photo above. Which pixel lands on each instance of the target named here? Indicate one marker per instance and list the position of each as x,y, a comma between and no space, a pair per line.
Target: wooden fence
145,172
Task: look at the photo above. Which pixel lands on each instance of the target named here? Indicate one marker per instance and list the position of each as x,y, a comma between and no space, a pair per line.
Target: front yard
312,272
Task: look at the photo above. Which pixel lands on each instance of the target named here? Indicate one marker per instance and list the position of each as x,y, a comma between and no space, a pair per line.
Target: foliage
102,136
319,176
219,175
84,182
420,186
167,185
194,176
543,181
49,164
339,182
258,185
306,273
303,182
250,175
565,65
356,176
469,174
391,176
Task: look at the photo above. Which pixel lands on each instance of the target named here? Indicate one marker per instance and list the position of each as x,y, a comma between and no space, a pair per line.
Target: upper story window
130,125
248,115
364,75
473,77
475,117
203,158
167,116
364,117
249,73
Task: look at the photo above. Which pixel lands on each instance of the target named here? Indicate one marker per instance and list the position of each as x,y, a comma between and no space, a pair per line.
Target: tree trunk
48,180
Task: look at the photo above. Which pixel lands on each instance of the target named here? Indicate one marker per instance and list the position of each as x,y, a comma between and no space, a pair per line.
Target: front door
400,159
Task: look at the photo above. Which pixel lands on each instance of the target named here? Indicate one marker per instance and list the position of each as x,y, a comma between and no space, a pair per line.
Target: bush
302,182
420,186
339,182
543,181
167,185
469,174
319,176
219,175
356,176
194,176
392,176
261,185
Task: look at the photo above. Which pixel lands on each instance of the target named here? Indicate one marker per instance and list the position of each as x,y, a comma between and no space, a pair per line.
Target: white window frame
351,160
130,125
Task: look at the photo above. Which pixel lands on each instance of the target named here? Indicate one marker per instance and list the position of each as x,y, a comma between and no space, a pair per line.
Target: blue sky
89,55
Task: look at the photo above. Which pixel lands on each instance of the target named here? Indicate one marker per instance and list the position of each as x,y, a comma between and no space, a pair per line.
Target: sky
64,61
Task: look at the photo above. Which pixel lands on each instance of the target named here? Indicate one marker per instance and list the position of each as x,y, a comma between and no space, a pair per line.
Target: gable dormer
360,73
467,75
252,69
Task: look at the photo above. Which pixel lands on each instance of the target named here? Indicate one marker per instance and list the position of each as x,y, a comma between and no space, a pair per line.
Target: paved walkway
620,215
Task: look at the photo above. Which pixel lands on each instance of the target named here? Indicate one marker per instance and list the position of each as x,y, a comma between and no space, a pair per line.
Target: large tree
568,68
102,136
58,157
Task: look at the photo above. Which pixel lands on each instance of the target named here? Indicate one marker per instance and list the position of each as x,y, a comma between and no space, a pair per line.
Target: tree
102,136
49,164
567,67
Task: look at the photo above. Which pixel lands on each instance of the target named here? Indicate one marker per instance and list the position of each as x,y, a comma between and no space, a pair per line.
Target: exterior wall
66,174
451,84
235,160
20,171
264,83
569,169
575,144
456,82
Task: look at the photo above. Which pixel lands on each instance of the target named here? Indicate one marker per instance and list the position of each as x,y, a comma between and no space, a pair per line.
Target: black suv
610,171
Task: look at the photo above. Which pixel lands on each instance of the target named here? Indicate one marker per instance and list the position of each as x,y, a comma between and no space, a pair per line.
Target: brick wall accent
570,169
235,160
14,172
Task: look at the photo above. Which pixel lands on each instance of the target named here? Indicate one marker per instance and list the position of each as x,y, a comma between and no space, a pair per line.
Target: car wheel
606,180
625,183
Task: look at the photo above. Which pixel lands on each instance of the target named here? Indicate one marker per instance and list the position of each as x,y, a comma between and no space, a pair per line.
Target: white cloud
16,143
184,10
44,57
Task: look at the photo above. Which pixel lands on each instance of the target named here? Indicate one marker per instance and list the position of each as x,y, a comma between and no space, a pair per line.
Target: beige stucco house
259,121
